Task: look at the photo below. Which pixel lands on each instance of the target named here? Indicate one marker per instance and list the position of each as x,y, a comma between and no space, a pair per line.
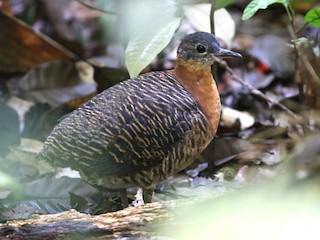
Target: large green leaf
255,5
144,47
313,17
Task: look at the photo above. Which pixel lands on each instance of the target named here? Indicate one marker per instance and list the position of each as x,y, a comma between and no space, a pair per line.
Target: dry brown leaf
21,48
5,7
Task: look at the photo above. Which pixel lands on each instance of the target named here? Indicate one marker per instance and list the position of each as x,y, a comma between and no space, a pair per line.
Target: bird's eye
201,49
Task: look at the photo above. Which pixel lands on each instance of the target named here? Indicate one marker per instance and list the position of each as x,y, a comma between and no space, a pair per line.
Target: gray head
198,48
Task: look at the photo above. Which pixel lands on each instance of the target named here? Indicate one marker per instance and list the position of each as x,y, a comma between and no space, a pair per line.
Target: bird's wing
153,120
127,127
142,134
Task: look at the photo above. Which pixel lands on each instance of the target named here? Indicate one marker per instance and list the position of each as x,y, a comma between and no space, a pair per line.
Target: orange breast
201,85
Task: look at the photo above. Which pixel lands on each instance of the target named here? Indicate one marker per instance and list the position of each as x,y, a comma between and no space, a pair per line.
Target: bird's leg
124,197
147,195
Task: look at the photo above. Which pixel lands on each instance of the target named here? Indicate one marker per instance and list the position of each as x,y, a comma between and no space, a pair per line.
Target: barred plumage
140,131
137,125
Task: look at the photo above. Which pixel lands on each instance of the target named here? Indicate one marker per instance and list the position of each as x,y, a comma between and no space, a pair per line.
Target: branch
131,223
212,10
254,90
303,57
94,8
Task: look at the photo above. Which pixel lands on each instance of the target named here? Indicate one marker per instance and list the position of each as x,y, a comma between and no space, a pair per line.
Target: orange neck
201,85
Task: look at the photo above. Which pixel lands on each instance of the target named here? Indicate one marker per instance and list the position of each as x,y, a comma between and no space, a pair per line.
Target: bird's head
197,50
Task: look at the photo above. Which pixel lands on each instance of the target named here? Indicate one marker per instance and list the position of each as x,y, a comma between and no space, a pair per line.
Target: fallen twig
94,8
301,54
254,90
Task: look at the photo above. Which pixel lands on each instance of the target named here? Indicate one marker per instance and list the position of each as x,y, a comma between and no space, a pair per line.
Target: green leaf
144,47
255,5
313,17
9,185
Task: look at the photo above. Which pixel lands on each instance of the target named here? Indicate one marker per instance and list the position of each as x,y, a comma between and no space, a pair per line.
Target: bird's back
135,133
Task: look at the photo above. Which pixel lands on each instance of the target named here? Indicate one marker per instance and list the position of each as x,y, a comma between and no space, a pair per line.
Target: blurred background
56,55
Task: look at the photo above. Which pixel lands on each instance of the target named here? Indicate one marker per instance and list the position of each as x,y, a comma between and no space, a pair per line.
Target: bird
140,131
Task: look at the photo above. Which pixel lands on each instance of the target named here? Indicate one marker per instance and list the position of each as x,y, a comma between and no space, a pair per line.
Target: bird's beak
225,53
